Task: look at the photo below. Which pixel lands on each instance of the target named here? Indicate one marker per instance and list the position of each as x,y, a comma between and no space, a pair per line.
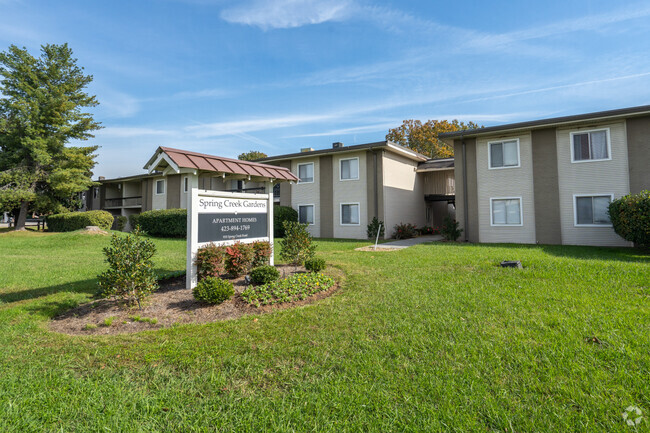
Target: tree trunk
22,216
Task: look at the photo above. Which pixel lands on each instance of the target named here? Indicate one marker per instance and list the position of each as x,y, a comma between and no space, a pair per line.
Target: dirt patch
379,249
93,230
170,305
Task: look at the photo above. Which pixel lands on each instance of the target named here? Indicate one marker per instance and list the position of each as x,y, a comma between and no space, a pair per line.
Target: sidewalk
405,243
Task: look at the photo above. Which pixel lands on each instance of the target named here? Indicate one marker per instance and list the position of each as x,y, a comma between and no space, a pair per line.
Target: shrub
264,274
374,226
281,214
71,221
261,253
239,258
297,244
315,264
166,223
210,261
120,222
294,288
130,277
449,229
213,290
630,216
428,230
405,231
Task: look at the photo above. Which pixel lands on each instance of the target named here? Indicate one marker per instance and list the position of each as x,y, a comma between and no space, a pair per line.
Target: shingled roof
220,164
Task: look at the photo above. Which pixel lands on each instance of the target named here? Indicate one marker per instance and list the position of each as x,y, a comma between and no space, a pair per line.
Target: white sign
224,218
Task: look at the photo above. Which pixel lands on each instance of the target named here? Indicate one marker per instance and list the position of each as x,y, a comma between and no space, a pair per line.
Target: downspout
465,201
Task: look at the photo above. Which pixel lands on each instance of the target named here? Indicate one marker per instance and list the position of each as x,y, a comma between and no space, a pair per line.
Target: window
236,185
350,214
504,154
590,145
306,214
592,210
506,211
186,184
306,173
350,169
95,192
160,186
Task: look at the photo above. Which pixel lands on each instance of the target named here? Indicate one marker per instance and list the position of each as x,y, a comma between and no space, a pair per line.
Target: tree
252,155
40,112
423,137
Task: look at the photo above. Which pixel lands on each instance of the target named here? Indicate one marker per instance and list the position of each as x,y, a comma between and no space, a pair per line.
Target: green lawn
431,338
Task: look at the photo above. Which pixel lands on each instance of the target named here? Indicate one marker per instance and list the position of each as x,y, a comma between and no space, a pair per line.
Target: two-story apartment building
550,181
341,189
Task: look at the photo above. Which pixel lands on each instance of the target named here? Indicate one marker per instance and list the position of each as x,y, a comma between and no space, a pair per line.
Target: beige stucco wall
307,193
350,191
403,192
158,201
592,177
506,182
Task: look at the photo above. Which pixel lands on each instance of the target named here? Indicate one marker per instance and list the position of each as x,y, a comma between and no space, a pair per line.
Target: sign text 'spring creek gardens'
231,219
231,204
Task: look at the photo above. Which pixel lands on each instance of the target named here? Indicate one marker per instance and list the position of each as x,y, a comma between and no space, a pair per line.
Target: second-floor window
504,154
350,169
306,173
590,145
160,186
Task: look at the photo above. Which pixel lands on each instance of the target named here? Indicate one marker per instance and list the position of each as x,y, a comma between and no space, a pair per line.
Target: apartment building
550,181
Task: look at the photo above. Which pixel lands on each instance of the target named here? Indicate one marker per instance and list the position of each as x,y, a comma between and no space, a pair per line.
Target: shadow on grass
620,254
85,286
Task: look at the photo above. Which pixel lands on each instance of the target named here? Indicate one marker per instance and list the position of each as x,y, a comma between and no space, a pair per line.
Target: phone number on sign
235,228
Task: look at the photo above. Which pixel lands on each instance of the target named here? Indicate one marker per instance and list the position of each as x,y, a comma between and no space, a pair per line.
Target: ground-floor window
350,214
591,210
306,214
506,211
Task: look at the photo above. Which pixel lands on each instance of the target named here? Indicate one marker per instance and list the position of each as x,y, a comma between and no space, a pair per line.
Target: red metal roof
200,161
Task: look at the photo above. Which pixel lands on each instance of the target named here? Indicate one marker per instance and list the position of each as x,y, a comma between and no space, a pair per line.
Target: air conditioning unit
307,149
337,145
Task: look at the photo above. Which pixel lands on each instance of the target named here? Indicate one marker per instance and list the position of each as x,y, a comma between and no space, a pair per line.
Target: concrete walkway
405,243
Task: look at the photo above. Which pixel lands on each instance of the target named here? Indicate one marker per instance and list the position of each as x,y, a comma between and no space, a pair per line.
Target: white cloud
130,132
219,129
117,104
284,14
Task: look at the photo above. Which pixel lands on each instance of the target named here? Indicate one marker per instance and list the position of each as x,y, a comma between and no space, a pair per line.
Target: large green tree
252,155
42,110
423,137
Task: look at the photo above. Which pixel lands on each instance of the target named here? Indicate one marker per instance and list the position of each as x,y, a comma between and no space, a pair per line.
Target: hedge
68,222
166,223
280,215
630,216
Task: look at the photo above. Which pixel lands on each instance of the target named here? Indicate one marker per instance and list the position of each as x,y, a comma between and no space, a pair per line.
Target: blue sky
223,77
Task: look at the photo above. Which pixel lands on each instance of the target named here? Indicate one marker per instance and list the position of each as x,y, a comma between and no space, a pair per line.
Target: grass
430,338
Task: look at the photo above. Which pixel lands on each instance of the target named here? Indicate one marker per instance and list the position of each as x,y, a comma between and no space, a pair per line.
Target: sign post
224,218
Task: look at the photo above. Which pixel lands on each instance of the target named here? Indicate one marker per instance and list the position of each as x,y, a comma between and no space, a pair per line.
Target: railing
256,190
123,201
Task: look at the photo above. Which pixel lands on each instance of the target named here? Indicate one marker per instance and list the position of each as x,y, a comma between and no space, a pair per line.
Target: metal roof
219,164
599,115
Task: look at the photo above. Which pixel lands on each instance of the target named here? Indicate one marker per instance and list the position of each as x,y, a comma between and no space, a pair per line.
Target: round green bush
315,264
630,216
213,290
280,215
264,274
71,221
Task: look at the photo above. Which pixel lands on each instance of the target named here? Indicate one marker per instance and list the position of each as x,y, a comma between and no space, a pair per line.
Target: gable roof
553,121
387,145
219,164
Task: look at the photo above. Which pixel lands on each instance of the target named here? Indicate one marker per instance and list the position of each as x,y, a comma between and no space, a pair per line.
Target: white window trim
186,183
341,214
155,187
503,141
521,212
313,172
575,209
341,171
585,131
313,212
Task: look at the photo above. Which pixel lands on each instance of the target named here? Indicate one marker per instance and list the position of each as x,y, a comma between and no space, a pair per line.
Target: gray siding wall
326,197
638,150
173,191
470,232
546,187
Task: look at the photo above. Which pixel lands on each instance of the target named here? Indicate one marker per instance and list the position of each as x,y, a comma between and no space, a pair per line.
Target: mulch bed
170,305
